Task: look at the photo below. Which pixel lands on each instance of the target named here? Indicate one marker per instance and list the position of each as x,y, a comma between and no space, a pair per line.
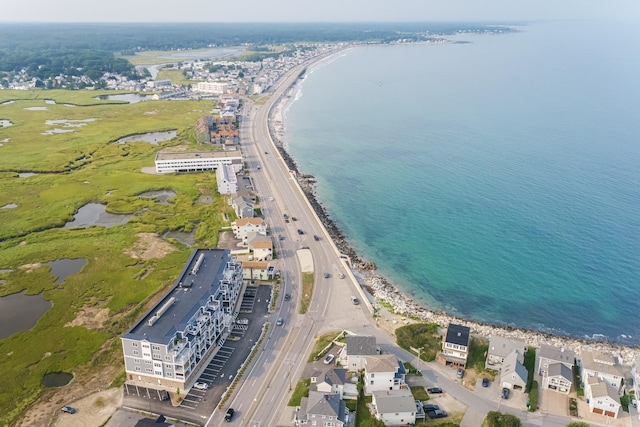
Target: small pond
36,108
5,123
161,196
57,379
150,137
131,98
187,239
49,101
95,214
9,206
25,174
20,312
63,268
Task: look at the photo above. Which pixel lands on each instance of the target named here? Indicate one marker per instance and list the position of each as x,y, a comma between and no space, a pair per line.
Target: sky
315,10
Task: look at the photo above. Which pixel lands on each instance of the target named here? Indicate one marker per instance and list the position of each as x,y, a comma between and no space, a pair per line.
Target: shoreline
380,289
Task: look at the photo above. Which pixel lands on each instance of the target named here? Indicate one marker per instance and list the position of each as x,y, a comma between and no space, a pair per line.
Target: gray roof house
243,206
322,409
358,346
513,373
558,378
500,348
334,381
603,399
548,354
394,407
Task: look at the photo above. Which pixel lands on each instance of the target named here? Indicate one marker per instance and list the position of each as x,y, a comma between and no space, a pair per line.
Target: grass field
73,169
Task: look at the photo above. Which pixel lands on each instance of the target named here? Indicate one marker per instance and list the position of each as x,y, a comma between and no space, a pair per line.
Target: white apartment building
170,344
197,162
215,88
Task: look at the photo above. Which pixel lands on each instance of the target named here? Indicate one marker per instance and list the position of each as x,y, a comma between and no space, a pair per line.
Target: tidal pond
65,267
95,214
20,312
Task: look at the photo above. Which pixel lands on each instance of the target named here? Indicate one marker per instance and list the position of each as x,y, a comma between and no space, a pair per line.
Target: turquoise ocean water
498,180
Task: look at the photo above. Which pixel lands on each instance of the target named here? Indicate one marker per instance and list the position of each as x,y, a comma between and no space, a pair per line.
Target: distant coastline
381,289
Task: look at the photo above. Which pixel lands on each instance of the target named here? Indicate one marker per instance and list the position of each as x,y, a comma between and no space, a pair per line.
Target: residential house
243,206
383,372
513,373
500,348
322,409
603,366
336,381
558,377
358,347
603,399
226,179
258,270
548,355
455,346
262,247
243,226
394,407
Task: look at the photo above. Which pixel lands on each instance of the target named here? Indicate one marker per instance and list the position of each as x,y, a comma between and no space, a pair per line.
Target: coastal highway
262,396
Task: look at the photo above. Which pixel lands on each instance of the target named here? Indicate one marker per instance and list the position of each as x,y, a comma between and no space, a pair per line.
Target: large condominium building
197,162
168,347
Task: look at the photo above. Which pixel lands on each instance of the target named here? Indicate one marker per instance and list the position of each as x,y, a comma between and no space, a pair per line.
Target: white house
262,247
336,381
243,206
513,373
227,180
353,354
383,372
455,346
257,270
603,366
394,407
243,226
603,399
500,348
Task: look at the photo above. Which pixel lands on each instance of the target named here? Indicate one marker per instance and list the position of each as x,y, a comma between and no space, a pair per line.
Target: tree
498,419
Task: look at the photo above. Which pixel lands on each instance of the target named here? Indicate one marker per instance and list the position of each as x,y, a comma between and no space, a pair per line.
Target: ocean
497,179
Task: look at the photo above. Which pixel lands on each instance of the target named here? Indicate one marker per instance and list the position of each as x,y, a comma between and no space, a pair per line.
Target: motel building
197,162
169,346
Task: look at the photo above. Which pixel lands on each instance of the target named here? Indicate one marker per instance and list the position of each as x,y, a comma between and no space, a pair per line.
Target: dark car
164,395
460,373
300,231
485,382
434,390
438,413
326,275
505,393
293,218
430,407
68,409
316,237
287,297
229,415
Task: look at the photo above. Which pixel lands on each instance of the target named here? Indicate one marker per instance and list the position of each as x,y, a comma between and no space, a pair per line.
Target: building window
136,360
138,368
134,344
148,370
147,362
167,358
136,353
155,347
145,345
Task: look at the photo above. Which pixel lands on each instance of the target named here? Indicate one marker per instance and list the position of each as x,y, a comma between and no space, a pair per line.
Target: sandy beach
381,290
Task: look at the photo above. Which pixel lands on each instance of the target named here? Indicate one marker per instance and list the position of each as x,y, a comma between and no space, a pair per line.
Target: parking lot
197,405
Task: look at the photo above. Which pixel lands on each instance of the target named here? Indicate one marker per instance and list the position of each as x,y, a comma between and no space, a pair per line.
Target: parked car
285,216
281,237
229,415
505,393
430,407
258,167
68,409
434,390
316,237
201,386
328,359
279,322
300,231
460,373
287,297
355,301
293,218
164,395
485,382
326,275
438,413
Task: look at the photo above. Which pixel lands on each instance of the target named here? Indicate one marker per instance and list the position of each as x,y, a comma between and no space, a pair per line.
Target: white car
201,386
328,359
